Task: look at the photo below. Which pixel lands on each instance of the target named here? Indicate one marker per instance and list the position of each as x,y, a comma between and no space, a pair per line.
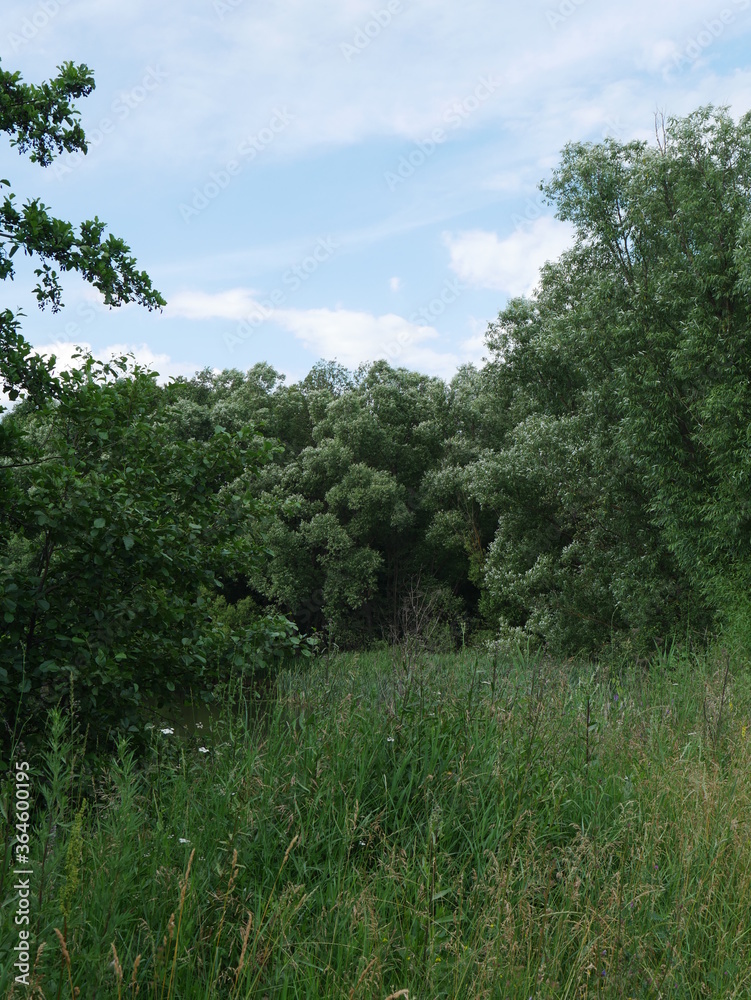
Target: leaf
128,541
100,522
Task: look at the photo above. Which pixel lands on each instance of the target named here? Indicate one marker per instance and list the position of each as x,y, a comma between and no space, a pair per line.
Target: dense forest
586,489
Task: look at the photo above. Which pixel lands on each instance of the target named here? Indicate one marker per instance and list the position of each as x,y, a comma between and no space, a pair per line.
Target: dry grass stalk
35,991
63,946
118,971
241,963
362,976
66,959
289,849
133,984
183,891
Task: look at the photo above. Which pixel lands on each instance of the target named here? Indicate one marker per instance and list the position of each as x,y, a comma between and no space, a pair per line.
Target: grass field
448,826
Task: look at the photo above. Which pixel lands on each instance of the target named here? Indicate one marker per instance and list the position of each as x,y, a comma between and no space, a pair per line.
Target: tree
671,227
355,540
42,121
623,485
357,512
117,533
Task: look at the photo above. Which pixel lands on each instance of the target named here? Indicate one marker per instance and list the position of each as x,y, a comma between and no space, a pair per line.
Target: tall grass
448,826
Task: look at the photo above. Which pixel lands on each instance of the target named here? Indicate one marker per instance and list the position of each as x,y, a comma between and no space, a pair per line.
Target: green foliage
667,227
116,535
73,855
369,491
587,489
42,119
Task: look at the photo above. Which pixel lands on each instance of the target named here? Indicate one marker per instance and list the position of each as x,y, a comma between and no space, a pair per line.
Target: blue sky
341,179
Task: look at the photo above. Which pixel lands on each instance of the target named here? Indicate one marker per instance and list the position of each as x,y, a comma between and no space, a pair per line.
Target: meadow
398,824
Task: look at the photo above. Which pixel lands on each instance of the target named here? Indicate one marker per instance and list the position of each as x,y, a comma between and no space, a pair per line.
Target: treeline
368,507
589,487
485,506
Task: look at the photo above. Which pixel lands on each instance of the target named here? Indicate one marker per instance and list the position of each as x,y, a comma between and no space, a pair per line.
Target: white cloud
510,265
64,351
350,336
235,303
354,337
227,64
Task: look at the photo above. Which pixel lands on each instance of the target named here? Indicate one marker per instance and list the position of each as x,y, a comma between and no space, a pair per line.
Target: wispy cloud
400,86
233,304
367,91
351,336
